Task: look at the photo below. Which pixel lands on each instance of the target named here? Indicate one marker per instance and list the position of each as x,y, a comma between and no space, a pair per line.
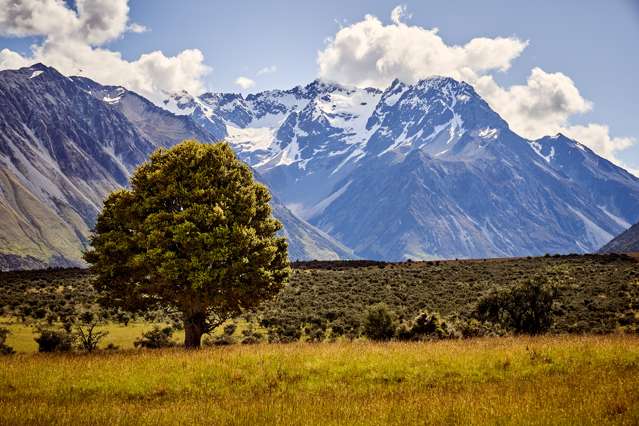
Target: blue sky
594,43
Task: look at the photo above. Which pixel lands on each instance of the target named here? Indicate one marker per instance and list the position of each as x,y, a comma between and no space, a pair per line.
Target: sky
546,66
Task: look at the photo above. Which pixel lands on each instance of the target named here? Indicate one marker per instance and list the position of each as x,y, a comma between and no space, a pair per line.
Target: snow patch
595,234
536,146
488,133
36,73
618,220
251,138
116,98
322,205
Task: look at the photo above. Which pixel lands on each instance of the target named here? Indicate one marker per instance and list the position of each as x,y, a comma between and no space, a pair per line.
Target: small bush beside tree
87,336
156,338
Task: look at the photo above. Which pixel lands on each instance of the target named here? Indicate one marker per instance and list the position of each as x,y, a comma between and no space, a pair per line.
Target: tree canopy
194,234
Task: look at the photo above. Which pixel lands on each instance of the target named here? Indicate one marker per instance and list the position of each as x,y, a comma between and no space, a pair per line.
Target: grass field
543,380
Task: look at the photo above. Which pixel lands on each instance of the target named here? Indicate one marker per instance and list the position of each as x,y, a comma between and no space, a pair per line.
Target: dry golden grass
545,380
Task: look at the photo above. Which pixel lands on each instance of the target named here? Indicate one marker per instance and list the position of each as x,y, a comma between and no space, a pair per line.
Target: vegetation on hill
329,300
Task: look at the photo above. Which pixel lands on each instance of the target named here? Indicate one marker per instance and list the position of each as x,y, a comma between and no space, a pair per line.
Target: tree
194,234
526,307
379,323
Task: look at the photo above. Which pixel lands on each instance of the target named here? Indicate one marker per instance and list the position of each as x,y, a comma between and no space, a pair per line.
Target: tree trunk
194,328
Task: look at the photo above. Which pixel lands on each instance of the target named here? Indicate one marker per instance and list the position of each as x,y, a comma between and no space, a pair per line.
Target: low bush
156,338
251,336
4,348
468,328
283,333
51,340
226,338
425,326
87,336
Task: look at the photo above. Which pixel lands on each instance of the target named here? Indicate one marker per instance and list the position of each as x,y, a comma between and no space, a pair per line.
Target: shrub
472,327
156,338
51,340
4,348
425,326
251,336
525,308
225,339
87,336
284,333
379,323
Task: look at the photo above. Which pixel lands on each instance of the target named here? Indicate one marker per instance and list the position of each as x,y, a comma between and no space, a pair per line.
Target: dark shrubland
329,300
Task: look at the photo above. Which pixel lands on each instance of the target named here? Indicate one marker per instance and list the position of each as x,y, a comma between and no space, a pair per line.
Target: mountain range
422,171
65,143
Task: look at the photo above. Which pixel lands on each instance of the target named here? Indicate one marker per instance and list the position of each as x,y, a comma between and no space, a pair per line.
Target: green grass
544,380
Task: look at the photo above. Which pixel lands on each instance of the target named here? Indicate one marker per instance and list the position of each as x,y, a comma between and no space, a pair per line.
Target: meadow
525,380
584,370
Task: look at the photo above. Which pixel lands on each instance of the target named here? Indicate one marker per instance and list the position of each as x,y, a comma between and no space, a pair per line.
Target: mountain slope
426,170
64,144
626,242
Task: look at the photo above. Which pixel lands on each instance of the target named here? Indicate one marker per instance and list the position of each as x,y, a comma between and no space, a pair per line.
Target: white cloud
540,107
137,28
398,13
244,82
371,53
267,70
72,40
597,137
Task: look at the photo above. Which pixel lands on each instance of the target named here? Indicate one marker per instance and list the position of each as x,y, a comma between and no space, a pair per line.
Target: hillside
596,293
626,242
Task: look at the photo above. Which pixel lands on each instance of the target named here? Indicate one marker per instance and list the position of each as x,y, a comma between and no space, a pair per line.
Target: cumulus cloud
244,82
537,108
267,70
597,137
73,40
371,53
